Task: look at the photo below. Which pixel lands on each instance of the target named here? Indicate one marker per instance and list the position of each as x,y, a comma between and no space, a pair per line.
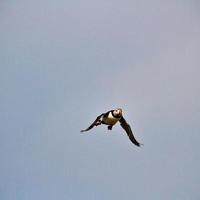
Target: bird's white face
117,112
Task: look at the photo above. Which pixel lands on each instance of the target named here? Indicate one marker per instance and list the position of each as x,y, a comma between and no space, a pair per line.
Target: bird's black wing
128,130
95,123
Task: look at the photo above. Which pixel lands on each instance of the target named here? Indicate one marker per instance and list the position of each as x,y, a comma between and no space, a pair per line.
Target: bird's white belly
110,120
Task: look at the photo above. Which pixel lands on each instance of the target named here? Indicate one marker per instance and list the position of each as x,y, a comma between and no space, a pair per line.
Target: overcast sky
62,63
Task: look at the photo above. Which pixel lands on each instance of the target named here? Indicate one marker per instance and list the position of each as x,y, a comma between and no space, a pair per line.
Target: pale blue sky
62,63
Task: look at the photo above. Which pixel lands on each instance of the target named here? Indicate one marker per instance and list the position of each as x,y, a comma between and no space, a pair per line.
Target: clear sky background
62,63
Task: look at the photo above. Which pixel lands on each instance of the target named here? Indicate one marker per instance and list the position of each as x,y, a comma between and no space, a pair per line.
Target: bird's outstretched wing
95,123
128,130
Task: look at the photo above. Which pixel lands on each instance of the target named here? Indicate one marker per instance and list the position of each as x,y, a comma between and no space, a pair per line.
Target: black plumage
110,118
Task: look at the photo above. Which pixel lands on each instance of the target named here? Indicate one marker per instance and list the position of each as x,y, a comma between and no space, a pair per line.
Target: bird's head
117,112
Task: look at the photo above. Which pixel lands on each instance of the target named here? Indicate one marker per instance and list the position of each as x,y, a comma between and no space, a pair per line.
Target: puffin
110,118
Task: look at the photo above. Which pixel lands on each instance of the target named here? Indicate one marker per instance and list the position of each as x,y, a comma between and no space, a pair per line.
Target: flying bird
110,118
